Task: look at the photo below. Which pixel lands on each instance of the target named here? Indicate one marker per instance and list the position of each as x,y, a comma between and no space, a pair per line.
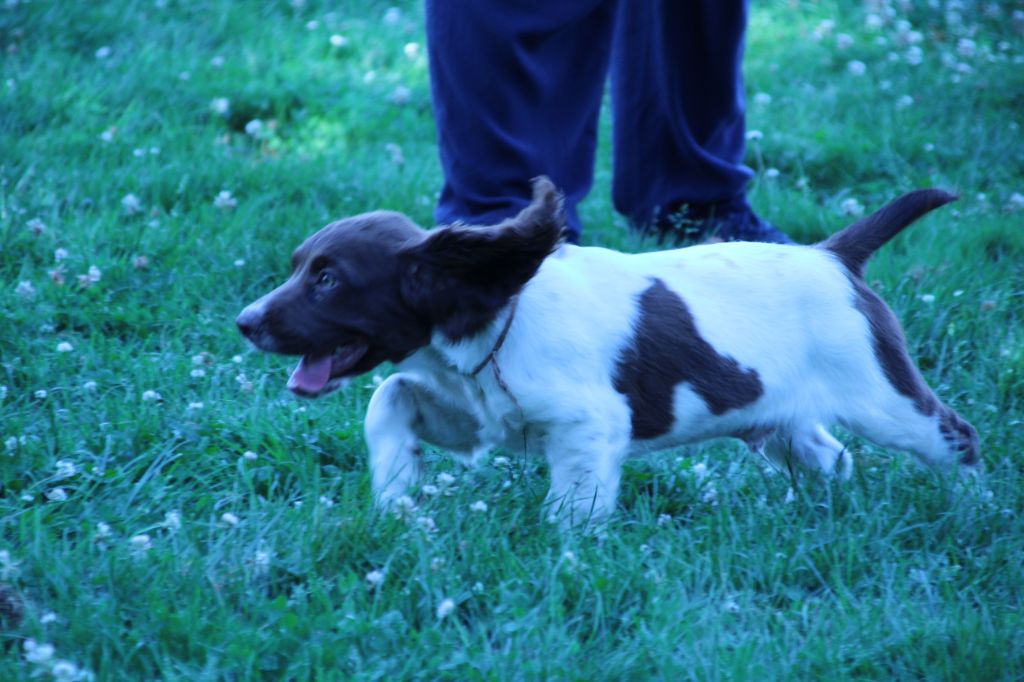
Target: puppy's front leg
403,411
586,467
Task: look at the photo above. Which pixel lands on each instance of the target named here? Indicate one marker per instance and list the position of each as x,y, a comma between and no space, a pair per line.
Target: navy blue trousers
517,88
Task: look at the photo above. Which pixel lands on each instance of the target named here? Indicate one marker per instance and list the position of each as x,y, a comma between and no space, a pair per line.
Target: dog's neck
472,354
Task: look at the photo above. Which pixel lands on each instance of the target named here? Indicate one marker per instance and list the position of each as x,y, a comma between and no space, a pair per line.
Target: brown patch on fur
960,435
667,350
891,349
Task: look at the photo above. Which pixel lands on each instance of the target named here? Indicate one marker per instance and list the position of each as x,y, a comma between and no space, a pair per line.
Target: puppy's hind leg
810,448
404,411
937,435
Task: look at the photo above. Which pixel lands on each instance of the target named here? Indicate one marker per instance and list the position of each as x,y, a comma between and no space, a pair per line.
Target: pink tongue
311,375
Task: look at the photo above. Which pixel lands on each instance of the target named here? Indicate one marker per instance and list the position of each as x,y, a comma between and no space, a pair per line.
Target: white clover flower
140,544
392,16
38,654
94,274
966,48
400,95
197,373
438,563
108,134
664,519
445,608
172,520
25,289
851,207
151,396
856,67
375,578
249,455
64,347
395,152
404,506
411,50
730,606
28,497
10,444
914,55
103,531
8,566
103,52
1015,202
710,495
261,561
700,470
772,173
48,617
230,519
131,203
56,495
762,99
220,106
927,298
501,462
237,359
904,101
326,501
196,405
41,394
426,524
873,21
844,41
66,671
254,128
823,29
790,496
913,37
338,40
239,263
430,490
478,506
36,227
754,135
60,254
224,200
65,469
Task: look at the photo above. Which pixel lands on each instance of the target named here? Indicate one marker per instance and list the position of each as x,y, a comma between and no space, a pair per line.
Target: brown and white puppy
504,338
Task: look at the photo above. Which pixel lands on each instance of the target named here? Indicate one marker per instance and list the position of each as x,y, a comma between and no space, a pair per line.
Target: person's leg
678,111
517,90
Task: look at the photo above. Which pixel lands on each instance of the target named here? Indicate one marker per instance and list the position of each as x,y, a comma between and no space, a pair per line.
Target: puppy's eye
326,280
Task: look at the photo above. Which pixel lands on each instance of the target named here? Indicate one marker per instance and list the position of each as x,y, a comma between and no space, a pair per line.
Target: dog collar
497,345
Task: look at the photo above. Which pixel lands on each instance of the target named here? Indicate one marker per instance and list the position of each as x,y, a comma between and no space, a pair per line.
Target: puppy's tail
855,244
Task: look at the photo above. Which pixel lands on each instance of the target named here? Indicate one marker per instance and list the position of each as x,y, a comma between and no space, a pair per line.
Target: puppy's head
374,288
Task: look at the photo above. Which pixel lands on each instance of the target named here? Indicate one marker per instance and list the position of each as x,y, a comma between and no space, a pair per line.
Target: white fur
785,311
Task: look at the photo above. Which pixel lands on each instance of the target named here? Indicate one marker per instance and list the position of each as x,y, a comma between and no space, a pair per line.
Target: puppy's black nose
250,322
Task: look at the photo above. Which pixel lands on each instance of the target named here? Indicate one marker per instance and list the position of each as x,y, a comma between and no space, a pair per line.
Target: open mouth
314,373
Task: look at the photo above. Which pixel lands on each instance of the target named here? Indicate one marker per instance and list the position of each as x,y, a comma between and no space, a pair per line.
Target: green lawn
168,511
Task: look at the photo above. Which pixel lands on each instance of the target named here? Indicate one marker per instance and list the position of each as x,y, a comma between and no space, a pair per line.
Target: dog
502,336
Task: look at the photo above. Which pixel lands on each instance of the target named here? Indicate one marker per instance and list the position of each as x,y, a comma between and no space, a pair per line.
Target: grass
712,568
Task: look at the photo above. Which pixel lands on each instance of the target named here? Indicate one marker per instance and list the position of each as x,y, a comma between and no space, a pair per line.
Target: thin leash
493,361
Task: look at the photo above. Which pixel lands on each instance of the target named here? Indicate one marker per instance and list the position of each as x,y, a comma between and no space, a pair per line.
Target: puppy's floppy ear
461,276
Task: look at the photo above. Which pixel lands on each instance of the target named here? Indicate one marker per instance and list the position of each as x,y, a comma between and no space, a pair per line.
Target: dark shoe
735,222
747,227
